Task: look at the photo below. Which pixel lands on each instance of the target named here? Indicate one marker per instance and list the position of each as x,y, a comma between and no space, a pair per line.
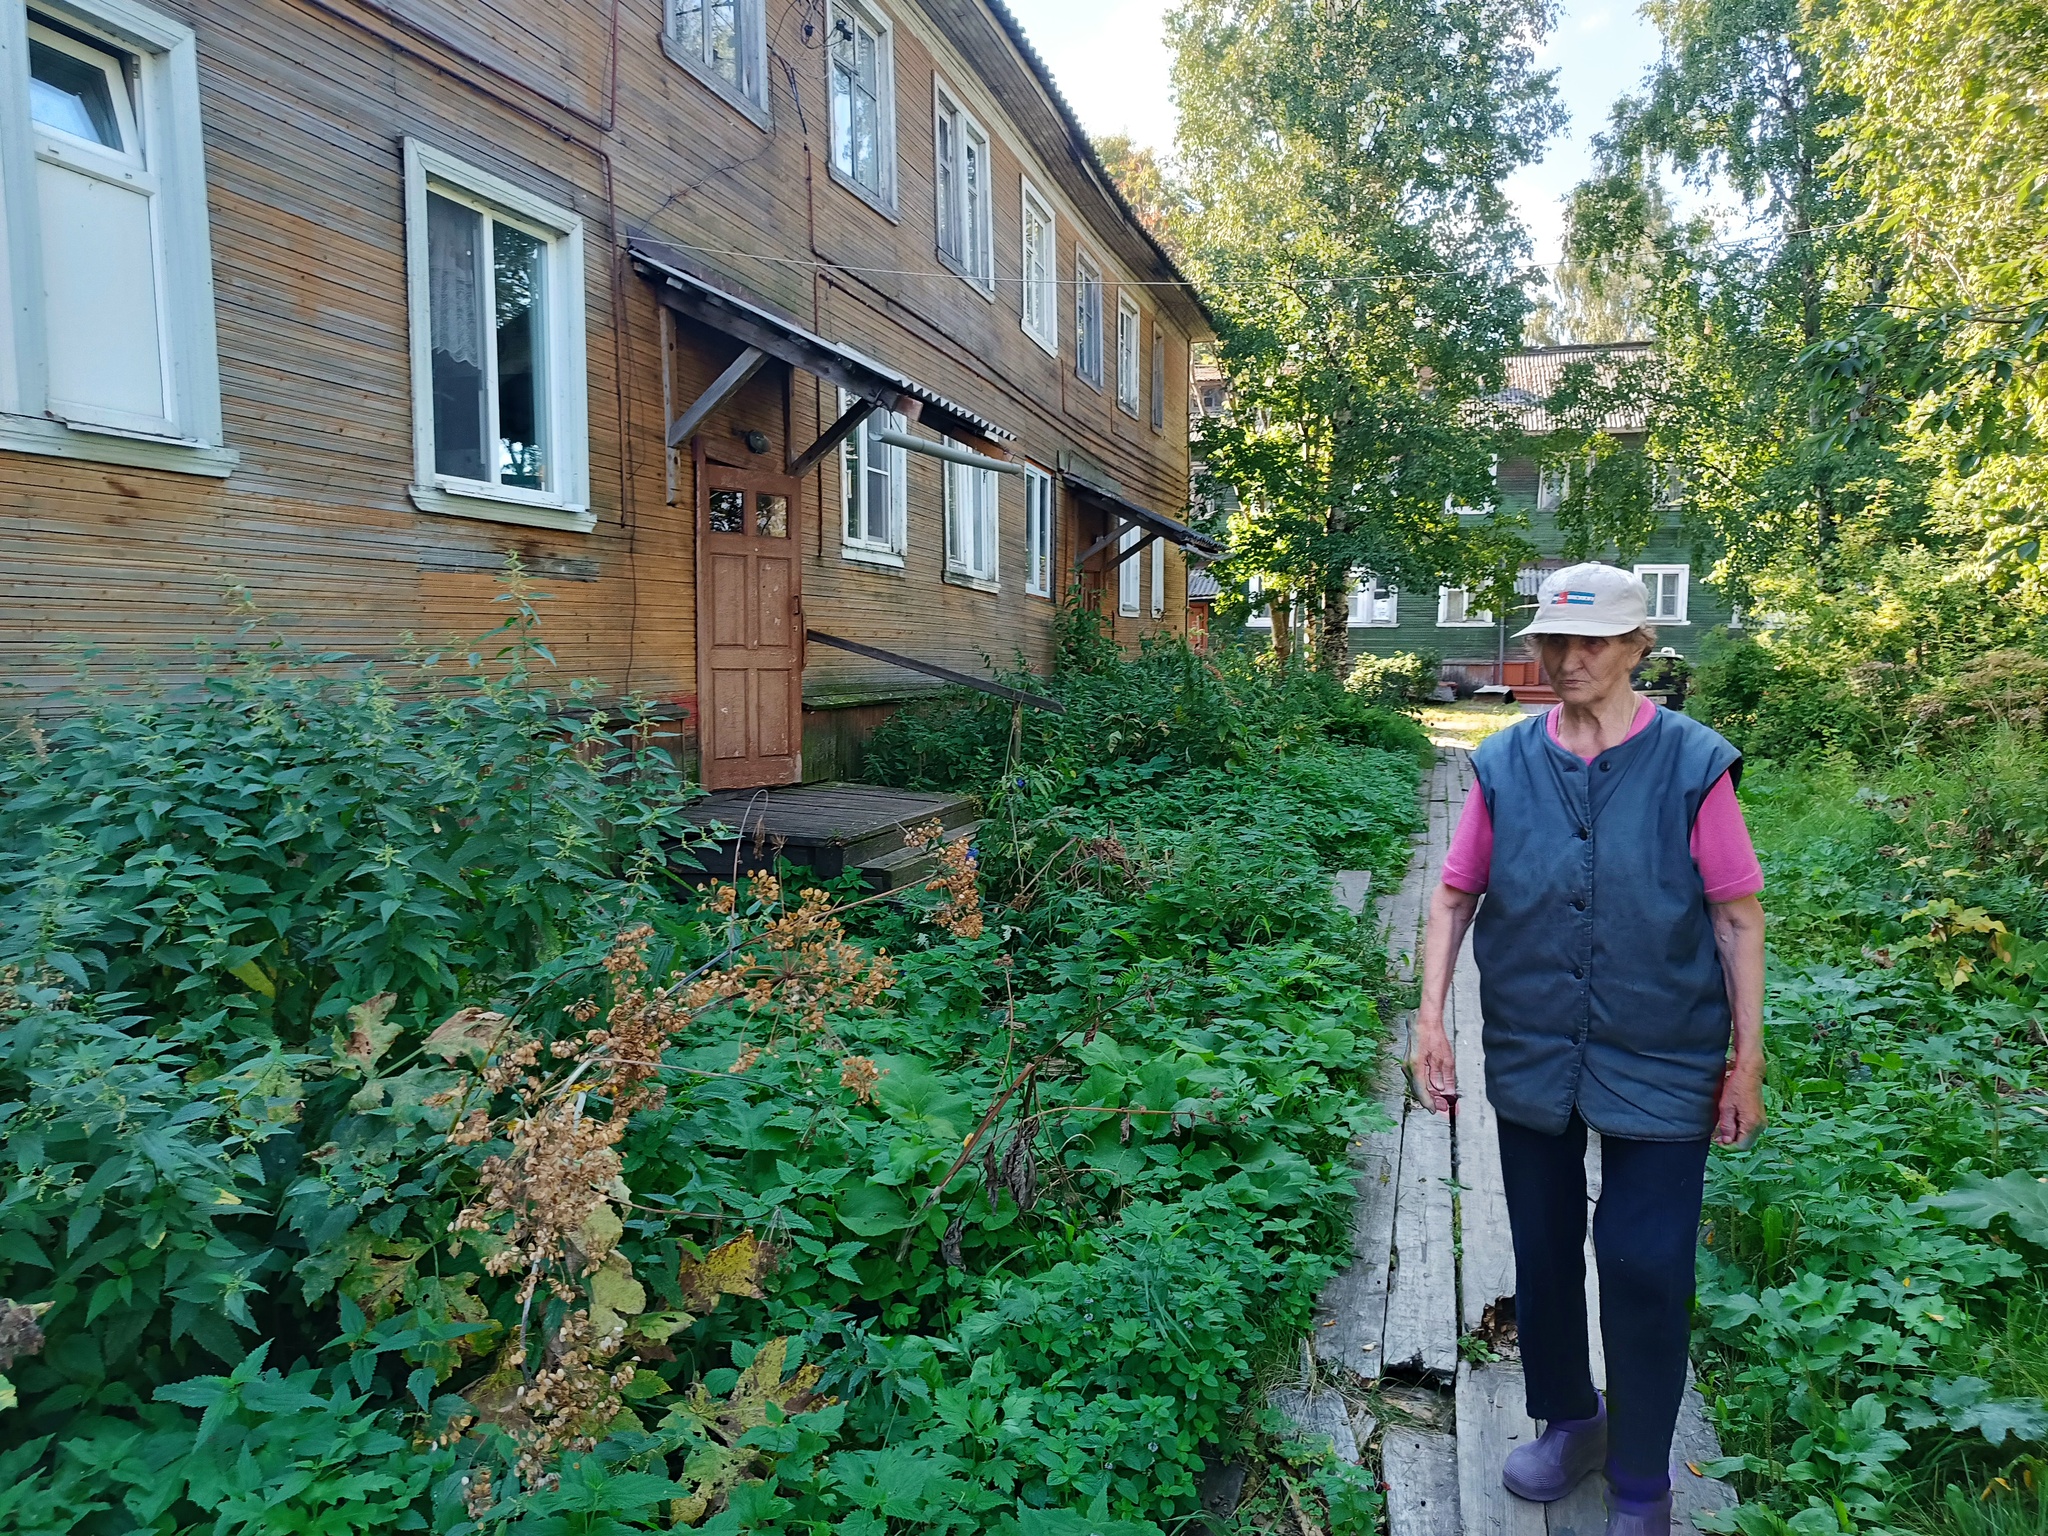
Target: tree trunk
1333,636
1280,605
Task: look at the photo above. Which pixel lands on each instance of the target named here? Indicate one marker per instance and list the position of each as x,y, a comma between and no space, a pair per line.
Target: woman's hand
1742,1103
1433,1068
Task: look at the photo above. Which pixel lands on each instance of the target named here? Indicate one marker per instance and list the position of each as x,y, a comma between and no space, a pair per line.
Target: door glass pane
771,516
72,96
455,296
728,511
517,258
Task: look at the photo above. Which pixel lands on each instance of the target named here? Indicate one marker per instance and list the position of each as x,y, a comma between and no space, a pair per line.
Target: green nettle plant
395,1139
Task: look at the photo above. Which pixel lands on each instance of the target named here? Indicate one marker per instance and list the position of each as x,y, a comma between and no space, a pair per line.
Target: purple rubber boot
1550,1466
1638,1517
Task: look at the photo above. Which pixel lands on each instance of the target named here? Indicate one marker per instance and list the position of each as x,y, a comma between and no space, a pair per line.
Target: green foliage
1406,677
232,1202
1350,232
1871,1308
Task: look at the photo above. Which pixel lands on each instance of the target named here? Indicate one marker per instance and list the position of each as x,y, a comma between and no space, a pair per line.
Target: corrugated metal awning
704,301
1170,529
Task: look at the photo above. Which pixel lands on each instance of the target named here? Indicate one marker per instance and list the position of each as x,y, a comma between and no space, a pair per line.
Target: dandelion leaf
736,1268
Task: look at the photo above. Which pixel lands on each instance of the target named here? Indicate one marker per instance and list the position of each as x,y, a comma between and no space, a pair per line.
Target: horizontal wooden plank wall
306,104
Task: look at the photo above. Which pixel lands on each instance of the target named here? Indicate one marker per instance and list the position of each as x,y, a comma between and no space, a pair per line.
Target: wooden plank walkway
1432,1261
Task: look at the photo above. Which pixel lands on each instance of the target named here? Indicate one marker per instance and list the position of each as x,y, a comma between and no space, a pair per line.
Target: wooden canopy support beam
1110,538
723,388
840,430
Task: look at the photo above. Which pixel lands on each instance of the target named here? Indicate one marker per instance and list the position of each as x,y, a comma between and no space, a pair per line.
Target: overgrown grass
1873,1316
998,1234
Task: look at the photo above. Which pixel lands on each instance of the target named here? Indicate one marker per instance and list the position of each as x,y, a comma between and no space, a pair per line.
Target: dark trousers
1644,1233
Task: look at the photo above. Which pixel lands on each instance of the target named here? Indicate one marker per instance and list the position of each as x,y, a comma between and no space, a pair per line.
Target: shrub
693,1205
1406,677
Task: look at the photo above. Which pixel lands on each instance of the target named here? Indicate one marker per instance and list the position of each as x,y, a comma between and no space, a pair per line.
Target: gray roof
1534,374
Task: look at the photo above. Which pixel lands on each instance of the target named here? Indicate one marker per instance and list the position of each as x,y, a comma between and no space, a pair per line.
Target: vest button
1578,905
1584,833
1578,973
1605,765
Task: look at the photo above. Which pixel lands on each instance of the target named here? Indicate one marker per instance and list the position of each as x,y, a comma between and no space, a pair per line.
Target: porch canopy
764,334
1126,514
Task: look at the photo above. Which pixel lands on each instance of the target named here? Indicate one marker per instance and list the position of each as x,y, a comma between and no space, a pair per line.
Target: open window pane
456,288
519,268
75,95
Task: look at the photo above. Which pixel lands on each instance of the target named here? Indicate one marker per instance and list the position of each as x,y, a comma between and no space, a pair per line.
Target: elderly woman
1620,947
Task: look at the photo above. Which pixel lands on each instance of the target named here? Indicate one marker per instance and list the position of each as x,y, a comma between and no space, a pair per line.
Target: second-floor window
962,181
1458,607
863,101
1158,379
1087,319
1038,532
1128,325
722,43
1037,267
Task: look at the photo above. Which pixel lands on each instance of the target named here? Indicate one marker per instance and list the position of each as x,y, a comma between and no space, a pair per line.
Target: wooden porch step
826,827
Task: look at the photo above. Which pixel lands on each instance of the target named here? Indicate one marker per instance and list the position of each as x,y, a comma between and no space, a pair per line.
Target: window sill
1050,345
1464,623
503,509
755,112
1130,410
985,287
37,434
879,559
885,206
1043,597
977,583
1094,384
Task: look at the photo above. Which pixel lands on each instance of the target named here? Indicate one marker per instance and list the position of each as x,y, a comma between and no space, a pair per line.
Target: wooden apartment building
738,323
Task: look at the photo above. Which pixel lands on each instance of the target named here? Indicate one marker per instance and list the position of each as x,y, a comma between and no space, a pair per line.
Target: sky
1110,59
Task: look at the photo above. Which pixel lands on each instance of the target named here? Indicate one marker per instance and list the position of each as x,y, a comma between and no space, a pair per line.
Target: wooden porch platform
830,828
1433,1263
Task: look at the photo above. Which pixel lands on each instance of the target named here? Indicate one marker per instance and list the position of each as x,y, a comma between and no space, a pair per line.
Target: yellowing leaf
736,1268
467,1032
614,1288
599,1234
251,975
369,1035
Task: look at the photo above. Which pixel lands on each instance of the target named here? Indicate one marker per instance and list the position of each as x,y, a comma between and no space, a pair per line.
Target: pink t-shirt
1721,849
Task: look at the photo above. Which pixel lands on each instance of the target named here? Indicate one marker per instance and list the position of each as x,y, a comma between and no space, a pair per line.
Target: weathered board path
1432,1261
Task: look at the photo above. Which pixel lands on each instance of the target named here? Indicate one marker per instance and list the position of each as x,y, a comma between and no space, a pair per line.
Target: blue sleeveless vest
1598,974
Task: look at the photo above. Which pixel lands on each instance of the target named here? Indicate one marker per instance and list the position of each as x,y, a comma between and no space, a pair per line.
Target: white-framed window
1158,578
1454,609
1158,379
973,531
1261,615
1452,505
861,68
961,181
1087,318
1128,574
1374,604
1553,485
494,289
1128,326
1665,590
874,499
107,348
724,43
1038,267
1040,535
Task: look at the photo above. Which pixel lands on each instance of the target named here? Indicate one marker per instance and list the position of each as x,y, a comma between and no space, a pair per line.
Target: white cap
1589,599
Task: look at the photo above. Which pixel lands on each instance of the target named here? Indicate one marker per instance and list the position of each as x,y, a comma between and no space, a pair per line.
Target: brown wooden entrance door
750,628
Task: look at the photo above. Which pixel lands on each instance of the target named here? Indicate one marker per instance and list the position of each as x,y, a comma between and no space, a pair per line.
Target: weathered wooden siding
305,108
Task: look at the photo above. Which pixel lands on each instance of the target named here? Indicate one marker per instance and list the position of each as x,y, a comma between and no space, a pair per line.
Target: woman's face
1587,668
